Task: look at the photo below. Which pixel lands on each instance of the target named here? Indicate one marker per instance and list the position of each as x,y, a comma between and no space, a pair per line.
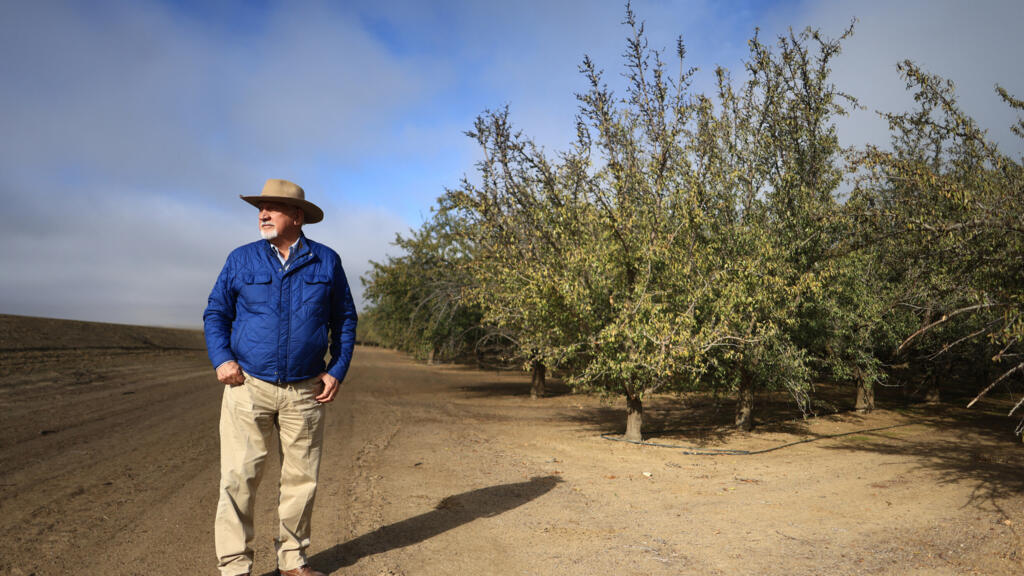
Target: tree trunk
745,403
932,394
634,419
537,384
430,358
865,394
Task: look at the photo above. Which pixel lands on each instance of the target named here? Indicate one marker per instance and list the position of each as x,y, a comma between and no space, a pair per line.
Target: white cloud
131,129
117,257
124,257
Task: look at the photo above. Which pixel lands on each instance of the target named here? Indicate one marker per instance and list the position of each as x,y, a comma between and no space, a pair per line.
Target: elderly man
278,306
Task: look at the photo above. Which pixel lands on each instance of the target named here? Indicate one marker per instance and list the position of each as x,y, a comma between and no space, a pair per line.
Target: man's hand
328,388
230,373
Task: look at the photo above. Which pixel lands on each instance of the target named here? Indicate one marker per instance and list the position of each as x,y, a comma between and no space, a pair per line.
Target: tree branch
997,381
945,318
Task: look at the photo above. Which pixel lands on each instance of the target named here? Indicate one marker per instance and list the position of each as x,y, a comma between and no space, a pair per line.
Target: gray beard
268,234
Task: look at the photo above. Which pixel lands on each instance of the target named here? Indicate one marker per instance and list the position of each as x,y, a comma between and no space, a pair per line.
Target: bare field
108,442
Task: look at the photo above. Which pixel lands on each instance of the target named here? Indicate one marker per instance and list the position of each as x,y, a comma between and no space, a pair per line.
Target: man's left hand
328,388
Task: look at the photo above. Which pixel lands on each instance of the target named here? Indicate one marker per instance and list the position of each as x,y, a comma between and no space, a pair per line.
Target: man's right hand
230,373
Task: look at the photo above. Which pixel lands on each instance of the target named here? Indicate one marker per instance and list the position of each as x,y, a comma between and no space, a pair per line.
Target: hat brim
313,212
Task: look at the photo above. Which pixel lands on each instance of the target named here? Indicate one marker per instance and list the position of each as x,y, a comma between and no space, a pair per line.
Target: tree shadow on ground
704,419
693,418
968,446
552,389
958,444
450,512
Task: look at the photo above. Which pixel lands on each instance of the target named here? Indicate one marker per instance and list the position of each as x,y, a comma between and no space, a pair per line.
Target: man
278,306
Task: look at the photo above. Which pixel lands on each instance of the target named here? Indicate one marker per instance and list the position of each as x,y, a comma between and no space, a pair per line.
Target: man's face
277,219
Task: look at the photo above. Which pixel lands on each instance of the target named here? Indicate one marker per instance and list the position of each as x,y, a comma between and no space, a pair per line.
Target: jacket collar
303,255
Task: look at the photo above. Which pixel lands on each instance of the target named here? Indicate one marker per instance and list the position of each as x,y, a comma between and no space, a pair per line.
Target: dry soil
108,446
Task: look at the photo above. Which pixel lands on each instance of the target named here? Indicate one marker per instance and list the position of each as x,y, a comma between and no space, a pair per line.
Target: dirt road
108,444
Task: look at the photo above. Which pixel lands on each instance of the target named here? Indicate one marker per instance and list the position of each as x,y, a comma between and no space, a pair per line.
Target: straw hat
289,193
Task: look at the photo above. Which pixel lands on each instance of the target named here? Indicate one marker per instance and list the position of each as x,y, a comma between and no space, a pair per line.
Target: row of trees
707,242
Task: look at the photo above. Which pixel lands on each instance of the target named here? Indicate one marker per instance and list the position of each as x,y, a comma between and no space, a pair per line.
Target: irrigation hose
697,451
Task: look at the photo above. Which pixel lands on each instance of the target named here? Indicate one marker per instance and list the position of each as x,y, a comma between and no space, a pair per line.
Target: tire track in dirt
364,495
110,459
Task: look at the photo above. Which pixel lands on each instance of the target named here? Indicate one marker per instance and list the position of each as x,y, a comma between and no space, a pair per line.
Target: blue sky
130,128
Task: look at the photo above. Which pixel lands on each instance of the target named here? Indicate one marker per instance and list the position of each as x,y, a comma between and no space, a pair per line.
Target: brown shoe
303,571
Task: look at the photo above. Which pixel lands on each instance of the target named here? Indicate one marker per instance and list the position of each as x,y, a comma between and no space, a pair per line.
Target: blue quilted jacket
278,324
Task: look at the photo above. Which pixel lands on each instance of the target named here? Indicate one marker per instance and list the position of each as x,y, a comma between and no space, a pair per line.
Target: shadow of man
450,512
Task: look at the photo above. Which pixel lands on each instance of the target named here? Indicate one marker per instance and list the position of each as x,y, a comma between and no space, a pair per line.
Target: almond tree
944,206
597,262
417,301
770,151
526,218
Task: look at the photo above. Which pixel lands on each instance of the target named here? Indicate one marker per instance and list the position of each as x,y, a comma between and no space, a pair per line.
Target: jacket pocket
256,288
316,291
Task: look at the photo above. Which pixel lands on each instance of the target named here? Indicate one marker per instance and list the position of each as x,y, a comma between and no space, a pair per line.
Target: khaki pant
250,413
